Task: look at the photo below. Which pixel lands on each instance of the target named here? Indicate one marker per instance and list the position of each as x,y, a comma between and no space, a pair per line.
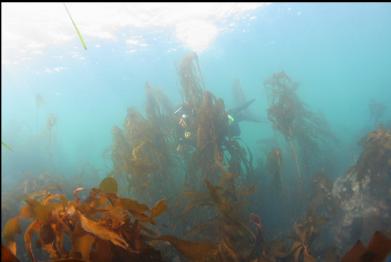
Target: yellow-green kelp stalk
6,146
76,28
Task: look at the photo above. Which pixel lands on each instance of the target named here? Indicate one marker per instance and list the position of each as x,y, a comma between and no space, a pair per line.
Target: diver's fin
238,109
251,118
243,114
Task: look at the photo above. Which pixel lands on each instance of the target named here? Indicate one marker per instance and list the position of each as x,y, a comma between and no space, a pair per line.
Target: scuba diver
186,122
237,115
185,125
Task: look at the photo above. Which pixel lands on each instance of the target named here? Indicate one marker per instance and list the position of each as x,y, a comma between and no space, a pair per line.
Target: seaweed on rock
102,227
235,241
322,200
305,233
375,159
364,192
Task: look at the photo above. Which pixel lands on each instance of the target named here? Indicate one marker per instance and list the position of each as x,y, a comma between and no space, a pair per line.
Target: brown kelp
303,129
307,241
101,227
104,226
120,154
274,162
224,204
159,110
211,128
218,170
50,125
378,249
39,102
29,184
305,233
142,151
203,127
284,108
145,154
321,199
7,255
191,79
376,155
214,150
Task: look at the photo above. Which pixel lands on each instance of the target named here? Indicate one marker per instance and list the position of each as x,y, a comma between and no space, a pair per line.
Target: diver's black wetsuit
184,127
186,116
237,115
234,129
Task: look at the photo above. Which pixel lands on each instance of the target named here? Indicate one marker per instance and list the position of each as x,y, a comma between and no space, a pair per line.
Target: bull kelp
196,132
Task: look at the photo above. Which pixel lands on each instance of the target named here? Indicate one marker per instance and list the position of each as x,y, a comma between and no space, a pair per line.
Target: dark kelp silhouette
274,165
143,150
234,240
213,147
376,155
303,130
305,233
211,128
376,111
191,79
39,102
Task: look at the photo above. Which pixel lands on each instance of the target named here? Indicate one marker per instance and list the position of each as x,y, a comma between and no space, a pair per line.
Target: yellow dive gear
187,134
230,119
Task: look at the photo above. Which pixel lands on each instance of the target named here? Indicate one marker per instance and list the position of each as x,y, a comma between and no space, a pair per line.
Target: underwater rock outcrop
364,193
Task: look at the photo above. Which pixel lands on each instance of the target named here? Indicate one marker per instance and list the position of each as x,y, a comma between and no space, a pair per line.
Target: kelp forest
185,186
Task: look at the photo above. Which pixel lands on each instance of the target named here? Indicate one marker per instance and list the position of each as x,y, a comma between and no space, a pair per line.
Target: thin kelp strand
76,28
6,146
